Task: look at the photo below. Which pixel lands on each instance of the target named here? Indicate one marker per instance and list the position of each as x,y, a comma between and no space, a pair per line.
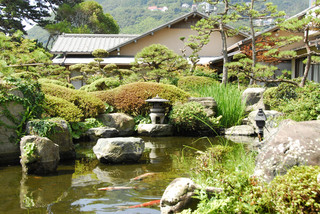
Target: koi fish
116,188
143,176
147,204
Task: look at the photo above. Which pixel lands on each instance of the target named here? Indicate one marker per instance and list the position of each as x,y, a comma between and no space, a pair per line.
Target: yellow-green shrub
58,107
131,98
90,106
57,82
189,82
101,84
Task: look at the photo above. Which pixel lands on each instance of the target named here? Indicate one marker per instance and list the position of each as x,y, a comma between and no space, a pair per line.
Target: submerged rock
119,149
293,144
39,155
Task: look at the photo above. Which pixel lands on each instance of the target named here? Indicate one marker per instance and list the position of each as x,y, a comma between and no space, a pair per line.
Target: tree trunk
308,64
253,43
225,53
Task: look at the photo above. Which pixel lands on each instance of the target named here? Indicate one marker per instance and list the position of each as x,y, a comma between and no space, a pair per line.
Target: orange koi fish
143,176
116,188
147,204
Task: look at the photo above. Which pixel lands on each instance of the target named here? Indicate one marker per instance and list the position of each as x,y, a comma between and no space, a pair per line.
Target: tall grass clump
229,102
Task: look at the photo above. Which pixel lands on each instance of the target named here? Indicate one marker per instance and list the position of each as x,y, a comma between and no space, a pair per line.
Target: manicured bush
131,98
57,82
101,84
191,118
58,107
90,106
299,104
189,82
297,191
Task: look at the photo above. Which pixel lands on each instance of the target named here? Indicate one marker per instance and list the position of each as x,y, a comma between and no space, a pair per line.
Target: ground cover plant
229,102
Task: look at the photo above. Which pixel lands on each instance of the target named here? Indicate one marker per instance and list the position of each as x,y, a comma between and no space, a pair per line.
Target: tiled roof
86,43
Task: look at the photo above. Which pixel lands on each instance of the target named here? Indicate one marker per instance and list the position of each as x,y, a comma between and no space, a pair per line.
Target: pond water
74,188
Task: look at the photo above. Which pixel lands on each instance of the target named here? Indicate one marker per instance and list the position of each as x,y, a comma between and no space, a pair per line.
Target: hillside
139,16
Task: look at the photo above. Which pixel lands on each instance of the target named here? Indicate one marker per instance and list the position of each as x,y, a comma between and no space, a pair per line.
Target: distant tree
14,12
86,17
157,62
113,70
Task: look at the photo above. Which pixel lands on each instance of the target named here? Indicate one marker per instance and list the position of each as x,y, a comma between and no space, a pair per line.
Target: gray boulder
293,144
155,130
178,196
39,155
122,122
101,132
60,135
253,98
119,149
209,104
242,130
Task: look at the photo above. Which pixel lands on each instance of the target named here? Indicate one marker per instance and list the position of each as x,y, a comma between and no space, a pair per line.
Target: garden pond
74,188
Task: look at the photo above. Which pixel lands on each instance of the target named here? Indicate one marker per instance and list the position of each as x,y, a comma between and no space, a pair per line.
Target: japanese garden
216,109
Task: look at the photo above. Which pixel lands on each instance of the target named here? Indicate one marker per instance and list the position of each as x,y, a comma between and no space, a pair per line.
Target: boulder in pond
155,130
119,149
293,144
123,123
242,130
178,196
39,155
101,132
60,134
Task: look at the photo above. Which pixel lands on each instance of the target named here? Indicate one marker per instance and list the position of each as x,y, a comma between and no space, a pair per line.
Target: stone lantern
157,110
261,122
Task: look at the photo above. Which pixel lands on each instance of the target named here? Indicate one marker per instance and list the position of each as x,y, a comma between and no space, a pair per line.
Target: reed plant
229,102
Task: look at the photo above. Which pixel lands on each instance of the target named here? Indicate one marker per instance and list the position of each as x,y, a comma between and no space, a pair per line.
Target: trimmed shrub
190,82
131,98
297,191
190,118
58,107
57,82
101,84
90,106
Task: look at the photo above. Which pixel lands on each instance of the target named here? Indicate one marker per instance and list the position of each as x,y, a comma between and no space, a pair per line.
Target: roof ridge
98,35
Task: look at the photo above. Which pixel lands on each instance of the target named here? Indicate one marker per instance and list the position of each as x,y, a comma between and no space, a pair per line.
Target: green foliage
131,98
299,104
190,82
156,62
229,103
78,128
30,152
90,106
59,107
191,118
141,120
297,191
42,128
56,82
101,84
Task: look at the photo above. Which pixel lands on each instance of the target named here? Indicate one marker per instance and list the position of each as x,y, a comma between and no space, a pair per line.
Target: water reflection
74,188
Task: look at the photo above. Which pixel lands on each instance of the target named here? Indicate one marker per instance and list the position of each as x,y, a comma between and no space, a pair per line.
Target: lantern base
155,116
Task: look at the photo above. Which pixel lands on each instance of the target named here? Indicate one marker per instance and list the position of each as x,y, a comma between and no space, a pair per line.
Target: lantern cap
157,99
260,116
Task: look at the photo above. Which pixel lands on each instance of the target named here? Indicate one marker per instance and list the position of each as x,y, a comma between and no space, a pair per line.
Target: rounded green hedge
89,105
131,98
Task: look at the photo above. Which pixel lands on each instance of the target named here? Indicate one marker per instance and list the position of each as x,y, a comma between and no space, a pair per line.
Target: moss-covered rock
131,98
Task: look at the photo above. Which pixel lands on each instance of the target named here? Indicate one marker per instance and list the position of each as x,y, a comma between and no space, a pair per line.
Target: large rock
178,196
39,155
122,122
294,144
101,132
253,98
60,135
209,104
155,130
119,149
242,130
9,149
